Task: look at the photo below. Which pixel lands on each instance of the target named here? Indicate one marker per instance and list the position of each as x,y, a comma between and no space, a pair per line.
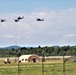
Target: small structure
29,58
7,61
71,59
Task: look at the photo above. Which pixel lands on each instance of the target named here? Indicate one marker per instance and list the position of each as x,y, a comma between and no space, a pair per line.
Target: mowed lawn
50,67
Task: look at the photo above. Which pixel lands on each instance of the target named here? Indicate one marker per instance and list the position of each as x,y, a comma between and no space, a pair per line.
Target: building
29,58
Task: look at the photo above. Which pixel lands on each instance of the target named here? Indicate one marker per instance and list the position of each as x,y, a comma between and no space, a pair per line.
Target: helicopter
20,17
38,19
3,20
16,20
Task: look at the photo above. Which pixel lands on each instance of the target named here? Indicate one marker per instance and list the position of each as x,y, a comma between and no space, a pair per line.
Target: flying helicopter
3,20
16,20
38,19
20,17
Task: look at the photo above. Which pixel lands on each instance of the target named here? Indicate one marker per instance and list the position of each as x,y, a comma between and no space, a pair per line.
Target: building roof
24,56
29,58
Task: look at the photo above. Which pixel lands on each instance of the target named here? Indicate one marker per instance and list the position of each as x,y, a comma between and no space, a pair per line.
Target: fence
53,65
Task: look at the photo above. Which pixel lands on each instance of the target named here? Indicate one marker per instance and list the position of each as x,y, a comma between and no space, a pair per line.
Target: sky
57,29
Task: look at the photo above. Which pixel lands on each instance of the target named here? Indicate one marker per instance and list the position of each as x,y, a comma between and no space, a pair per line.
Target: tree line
48,51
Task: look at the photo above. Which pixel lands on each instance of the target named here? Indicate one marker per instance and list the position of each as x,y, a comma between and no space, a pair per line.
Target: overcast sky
58,27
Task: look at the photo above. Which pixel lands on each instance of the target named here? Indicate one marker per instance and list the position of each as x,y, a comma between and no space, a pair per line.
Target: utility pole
42,62
63,63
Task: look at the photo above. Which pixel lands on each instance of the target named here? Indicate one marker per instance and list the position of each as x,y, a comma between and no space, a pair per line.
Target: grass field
50,67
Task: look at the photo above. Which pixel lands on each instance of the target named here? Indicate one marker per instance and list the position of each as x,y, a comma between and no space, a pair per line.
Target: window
25,59
22,59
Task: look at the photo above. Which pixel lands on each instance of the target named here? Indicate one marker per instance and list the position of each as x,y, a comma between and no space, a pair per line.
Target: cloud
9,36
70,35
40,14
57,27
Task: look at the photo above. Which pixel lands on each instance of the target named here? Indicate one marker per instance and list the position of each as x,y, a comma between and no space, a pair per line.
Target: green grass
8,71
49,68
